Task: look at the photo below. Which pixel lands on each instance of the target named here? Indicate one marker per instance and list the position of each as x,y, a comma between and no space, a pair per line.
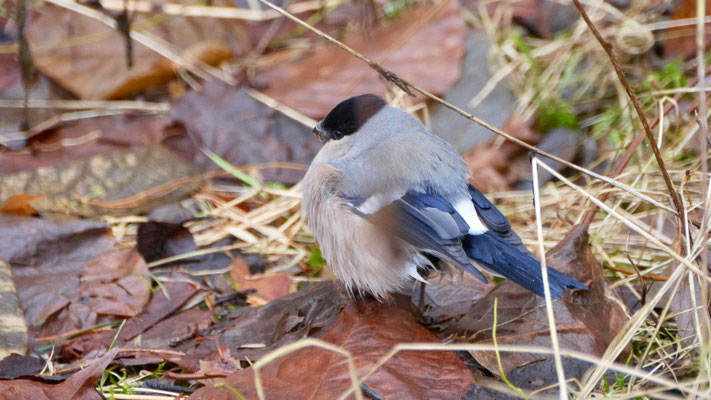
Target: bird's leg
421,303
421,318
424,271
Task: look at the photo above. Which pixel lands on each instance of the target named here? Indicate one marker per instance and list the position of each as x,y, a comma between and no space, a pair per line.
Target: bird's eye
337,135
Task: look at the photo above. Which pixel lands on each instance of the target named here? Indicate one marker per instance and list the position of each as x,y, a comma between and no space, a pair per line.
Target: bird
388,201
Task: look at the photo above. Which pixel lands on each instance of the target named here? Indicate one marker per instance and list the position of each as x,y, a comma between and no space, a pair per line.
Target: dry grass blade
194,10
287,111
146,106
705,329
563,390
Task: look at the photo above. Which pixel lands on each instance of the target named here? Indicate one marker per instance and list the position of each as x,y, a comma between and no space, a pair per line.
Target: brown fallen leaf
241,130
96,68
80,386
115,283
53,262
368,330
449,297
586,321
106,165
424,45
282,321
177,328
179,290
269,287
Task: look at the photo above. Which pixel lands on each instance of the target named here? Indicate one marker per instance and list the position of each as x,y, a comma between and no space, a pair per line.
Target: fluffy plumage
385,195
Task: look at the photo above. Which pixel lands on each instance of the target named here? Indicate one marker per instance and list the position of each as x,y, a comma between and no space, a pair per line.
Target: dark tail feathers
505,259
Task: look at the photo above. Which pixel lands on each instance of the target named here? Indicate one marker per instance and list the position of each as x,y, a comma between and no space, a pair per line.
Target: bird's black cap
348,117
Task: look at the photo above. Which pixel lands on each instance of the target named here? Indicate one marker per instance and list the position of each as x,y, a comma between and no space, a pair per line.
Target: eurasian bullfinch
387,199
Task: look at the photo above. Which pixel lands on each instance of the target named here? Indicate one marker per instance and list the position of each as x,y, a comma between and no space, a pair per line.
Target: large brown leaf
368,330
425,46
70,275
95,166
94,65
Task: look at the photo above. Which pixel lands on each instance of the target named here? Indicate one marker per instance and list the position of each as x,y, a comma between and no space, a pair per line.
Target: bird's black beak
319,133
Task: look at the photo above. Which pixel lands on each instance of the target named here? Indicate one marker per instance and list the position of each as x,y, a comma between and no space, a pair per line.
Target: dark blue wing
495,220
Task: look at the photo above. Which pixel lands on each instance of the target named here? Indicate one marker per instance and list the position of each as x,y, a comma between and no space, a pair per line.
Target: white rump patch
465,208
379,200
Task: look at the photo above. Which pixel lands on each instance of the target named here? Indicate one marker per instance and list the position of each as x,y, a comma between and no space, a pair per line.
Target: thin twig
607,46
8,139
25,60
